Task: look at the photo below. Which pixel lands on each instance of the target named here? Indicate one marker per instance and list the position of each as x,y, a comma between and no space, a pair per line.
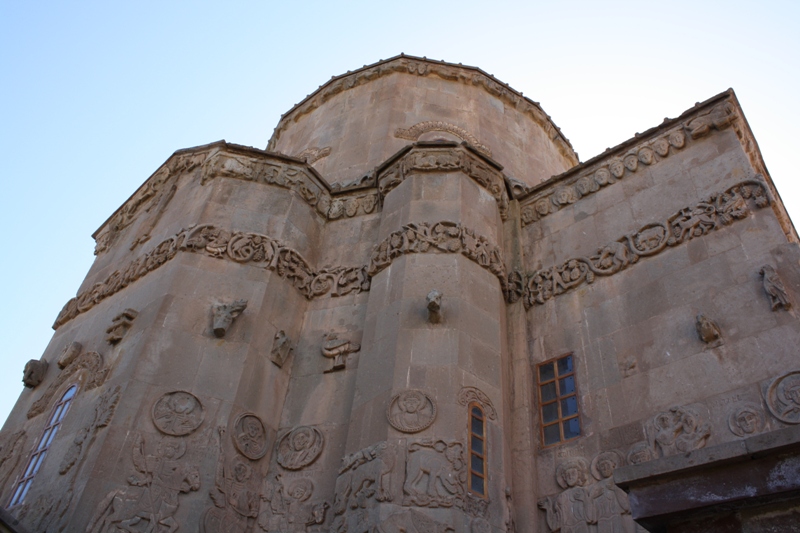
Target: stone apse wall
346,332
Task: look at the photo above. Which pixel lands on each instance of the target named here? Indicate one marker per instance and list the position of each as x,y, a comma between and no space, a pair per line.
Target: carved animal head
434,300
34,373
224,315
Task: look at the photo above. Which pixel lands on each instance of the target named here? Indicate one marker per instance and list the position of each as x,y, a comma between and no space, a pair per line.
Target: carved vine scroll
468,395
713,213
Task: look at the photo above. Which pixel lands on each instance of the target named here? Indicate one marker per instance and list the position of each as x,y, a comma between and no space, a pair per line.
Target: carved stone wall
344,333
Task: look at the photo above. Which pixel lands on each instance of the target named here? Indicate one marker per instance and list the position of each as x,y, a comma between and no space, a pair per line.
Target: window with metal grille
37,457
477,451
558,400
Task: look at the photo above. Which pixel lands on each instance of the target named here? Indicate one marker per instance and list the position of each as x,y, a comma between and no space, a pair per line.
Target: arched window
477,450
37,457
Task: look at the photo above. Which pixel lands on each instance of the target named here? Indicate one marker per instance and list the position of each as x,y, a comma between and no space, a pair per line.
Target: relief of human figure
235,502
612,510
162,478
572,510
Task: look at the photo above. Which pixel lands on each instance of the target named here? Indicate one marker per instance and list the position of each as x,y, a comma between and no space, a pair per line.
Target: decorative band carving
447,157
643,155
413,133
242,247
719,210
444,237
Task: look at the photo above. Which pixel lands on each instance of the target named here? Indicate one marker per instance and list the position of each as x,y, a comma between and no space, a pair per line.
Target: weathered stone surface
362,336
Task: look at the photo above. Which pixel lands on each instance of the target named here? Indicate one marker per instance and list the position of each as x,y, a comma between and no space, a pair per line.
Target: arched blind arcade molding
477,450
33,465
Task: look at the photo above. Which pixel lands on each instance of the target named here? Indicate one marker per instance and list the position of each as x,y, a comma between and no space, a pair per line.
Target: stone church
418,311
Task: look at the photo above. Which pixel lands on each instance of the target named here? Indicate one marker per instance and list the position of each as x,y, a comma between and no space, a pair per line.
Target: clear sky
96,95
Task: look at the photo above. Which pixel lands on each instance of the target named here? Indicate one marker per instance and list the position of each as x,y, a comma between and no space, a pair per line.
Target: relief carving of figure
411,411
746,420
773,286
572,510
250,436
783,397
178,413
338,349
235,500
679,430
364,475
287,509
718,118
612,511
435,474
154,493
300,447
34,372
224,314
281,349
641,452
103,412
11,449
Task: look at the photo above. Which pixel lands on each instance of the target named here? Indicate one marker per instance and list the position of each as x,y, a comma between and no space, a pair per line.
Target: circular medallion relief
411,411
300,447
783,397
250,436
178,413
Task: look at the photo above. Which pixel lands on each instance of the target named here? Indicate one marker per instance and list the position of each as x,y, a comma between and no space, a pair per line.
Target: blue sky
96,95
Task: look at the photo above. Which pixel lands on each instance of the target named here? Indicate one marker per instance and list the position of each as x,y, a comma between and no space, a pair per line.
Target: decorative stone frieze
563,192
468,395
442,237
713,213
446,157
314,154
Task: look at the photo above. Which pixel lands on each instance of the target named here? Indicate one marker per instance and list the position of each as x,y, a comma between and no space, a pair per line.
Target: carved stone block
434,300
773,286
71,351
34,372
120,326
224,314
281,349
338,349
708,330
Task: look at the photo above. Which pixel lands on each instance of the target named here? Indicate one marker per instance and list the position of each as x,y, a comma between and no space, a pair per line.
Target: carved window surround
625,160
711,214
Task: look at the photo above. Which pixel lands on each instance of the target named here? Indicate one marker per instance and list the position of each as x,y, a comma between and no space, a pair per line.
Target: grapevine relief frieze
414,132
713,213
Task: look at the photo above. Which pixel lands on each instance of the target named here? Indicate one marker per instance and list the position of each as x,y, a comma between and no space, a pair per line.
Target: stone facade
417,311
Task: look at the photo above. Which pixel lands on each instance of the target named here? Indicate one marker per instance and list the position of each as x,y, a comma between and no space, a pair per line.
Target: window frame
37,456
560,419
483,475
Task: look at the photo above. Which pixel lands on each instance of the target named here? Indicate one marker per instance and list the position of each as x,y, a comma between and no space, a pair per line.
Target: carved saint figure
34,373
235,501
774,288
571,511
287,510
641,452
300,447
250,436
224,315
783,397
746,420
434,300
154,495
411,411
338,349
612,511
178,413
708,330
435,474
